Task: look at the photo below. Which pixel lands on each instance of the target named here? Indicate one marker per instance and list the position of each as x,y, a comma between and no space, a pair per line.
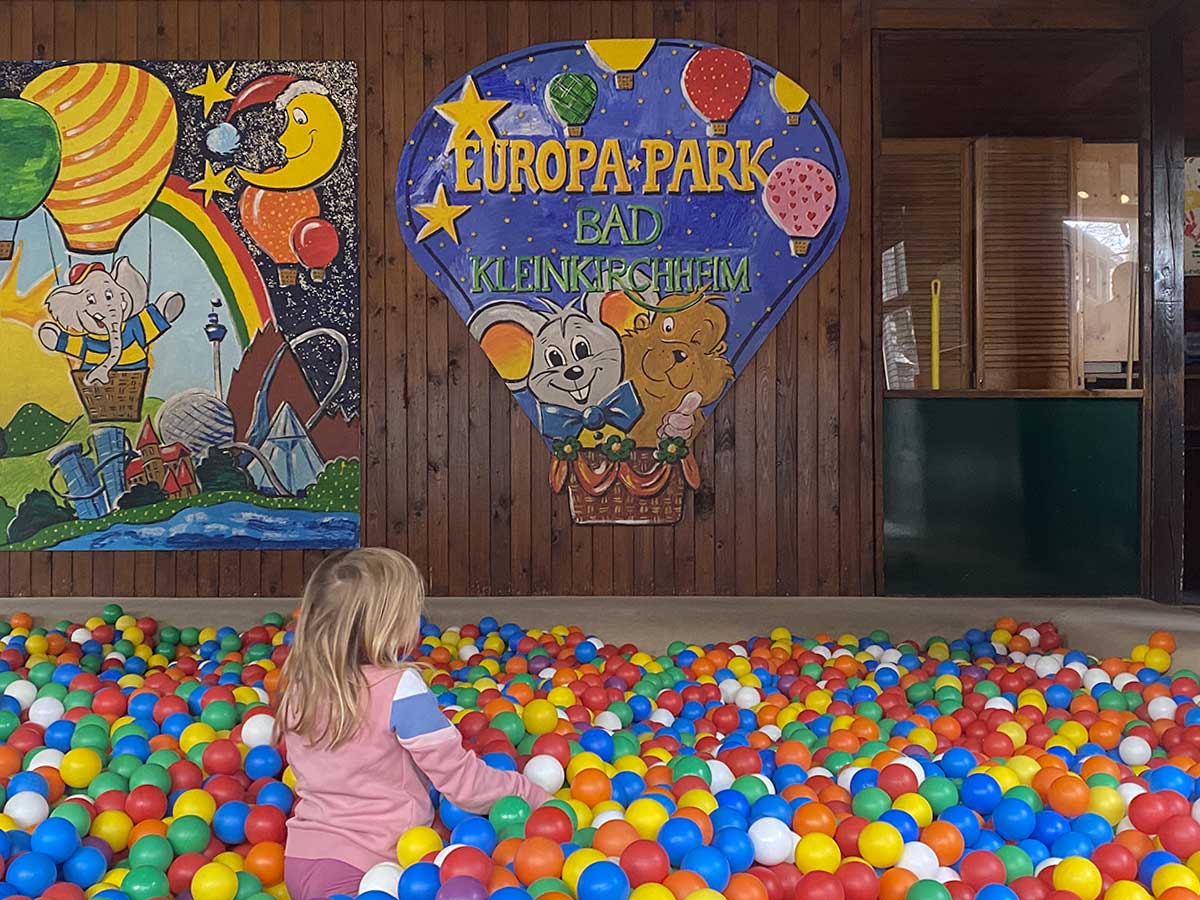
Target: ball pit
137,761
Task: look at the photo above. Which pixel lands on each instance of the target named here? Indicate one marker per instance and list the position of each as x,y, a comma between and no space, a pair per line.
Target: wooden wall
453,473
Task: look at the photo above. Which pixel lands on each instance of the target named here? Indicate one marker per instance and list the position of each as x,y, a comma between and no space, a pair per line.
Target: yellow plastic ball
1126,890
648,816
705,894
231,859
214,881
699,799
881,844
916,806
540,717
79,766
1156,658
415,843
1174,875
1077,875
818,852
651,892
196,802
1106,802
196,733
112,826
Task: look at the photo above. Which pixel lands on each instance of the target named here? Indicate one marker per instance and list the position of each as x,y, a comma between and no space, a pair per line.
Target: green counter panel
1011,496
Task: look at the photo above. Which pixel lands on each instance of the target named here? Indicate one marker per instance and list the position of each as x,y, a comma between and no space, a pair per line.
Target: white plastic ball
1045,864
1128,790
546,772
662,716
747,697
846,775
999,703
466,651
384,876
1134,750
1123,681
728,688
27,809
919,859
258,731
944,875
609,721
773,841
767,782
1032,635
1161,708
46,711
24,692
721,775
738,650
1047,666
444,852
81,635
48,757
607,815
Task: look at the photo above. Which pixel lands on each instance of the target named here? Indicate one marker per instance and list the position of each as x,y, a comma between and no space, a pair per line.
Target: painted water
232,526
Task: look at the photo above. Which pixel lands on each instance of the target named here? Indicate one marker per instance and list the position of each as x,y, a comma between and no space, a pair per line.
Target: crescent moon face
312,144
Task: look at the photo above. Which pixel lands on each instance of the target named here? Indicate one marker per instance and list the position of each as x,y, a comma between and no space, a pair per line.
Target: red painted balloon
315,242
715,82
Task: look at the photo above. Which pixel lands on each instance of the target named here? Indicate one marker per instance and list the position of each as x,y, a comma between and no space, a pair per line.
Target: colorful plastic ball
145,883
928,889
880,844
56,838
27,809
1079,876
817,852
819,885
420,881
416,843
31,873
384,876
603,880
646,862
710,864
772,840
679,836
85,867
462,887
188,834
467,861
736,846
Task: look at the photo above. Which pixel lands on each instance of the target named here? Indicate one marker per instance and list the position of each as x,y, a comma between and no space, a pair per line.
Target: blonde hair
360,607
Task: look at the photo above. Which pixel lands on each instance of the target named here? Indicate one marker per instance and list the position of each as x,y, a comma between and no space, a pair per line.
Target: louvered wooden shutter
1027,328
925,233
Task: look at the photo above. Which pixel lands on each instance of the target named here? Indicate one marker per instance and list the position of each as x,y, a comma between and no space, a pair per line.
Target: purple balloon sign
621,223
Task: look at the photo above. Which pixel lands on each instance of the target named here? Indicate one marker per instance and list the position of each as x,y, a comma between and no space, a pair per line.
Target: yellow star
212,182
634,162
470,114
440,214
213,90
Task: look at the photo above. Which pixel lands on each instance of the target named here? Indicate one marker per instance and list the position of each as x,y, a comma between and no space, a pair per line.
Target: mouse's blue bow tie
620,409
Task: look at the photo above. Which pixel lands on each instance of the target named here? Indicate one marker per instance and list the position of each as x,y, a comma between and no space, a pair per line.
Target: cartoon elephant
105,320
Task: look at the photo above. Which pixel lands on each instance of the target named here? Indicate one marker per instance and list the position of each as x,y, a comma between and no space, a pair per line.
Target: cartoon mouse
676,360
569,357
106,321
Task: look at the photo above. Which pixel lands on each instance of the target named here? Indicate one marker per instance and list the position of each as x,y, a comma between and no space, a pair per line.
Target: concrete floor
1104,627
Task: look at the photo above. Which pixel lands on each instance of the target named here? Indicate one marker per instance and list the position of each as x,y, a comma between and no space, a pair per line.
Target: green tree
37,511
220,472
141,495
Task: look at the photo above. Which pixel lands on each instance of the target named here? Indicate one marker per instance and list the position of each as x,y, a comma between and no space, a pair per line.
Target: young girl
365,737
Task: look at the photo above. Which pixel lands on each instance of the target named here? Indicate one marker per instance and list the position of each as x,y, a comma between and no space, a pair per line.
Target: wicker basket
120,400
618,505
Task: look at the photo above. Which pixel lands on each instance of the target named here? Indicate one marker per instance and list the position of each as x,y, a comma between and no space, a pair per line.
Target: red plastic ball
181,870
859,881
981,867
222,757
551,822
645,862
469,861
145,802
819,886
267,823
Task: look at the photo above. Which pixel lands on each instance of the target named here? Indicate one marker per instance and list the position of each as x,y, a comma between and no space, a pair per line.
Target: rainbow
210,234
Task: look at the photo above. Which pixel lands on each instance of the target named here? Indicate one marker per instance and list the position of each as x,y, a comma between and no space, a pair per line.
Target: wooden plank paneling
454,474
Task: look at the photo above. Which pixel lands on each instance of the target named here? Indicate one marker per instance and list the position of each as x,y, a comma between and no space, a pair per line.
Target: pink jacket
355,801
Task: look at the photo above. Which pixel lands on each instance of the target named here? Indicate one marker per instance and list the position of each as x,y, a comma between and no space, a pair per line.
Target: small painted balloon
315,243
800,196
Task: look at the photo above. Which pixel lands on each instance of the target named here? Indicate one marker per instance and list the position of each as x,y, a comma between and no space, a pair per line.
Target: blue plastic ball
31,873
229,821
679,837
981,793
735,845
710,864
1014,819
420,881
475,831
996,892
56,838
604,880
263,761
86,867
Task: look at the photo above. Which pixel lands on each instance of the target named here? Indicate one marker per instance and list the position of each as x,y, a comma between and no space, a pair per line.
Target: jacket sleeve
434,745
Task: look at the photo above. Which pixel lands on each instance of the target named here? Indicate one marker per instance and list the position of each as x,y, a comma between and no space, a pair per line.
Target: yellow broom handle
935,331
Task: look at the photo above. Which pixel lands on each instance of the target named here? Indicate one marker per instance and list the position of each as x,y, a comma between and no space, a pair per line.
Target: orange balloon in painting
119,127
270,216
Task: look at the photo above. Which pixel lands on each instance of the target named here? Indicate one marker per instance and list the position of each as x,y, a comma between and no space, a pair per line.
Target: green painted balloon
30,151
572,97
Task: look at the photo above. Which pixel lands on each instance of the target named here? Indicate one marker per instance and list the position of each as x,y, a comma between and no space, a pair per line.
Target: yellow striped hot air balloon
118,126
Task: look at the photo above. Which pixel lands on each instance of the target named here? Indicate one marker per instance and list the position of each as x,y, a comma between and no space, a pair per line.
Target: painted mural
179,305
621,223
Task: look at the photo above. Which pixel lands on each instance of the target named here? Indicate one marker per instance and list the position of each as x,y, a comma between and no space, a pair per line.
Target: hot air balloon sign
621,223
179,305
